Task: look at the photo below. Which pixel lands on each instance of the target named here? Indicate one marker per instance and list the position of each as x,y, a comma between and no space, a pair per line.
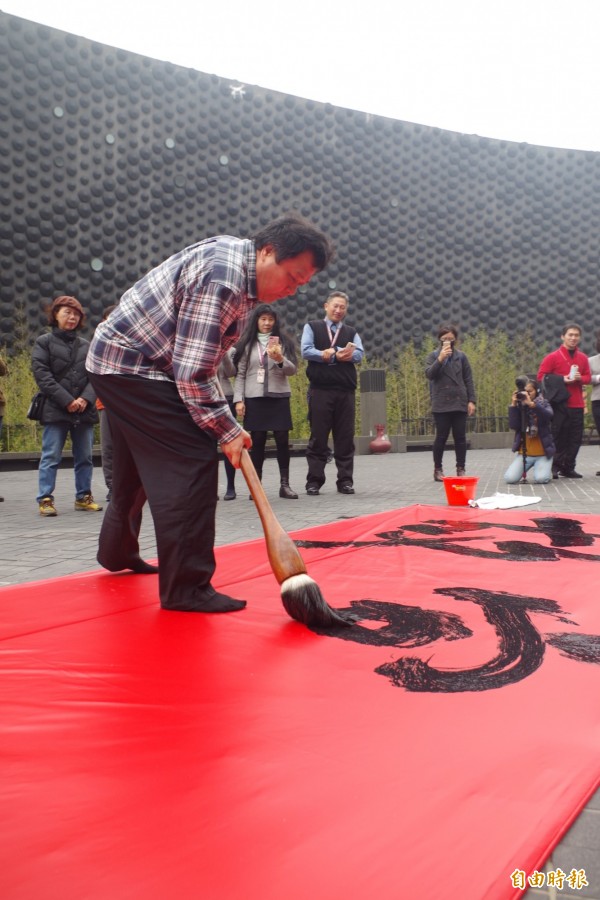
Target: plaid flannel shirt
177,322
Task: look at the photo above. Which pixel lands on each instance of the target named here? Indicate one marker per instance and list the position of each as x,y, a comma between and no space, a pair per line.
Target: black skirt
268,414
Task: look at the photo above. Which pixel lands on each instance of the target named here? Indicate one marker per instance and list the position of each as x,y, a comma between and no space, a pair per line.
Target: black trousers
330,412
568,438
444,423
159,453
596,414
229,467
282,445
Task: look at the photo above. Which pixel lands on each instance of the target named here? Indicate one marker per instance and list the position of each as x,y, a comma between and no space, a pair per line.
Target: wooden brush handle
283,554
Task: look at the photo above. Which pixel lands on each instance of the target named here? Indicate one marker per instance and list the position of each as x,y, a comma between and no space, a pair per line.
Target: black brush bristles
304,602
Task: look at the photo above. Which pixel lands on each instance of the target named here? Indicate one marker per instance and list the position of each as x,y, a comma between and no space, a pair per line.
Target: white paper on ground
503,501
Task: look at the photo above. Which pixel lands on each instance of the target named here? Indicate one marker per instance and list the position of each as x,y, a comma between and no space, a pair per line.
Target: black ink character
520,645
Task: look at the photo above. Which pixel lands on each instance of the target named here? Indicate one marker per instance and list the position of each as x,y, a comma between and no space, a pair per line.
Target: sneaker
571,474
460,472
47,507
87,503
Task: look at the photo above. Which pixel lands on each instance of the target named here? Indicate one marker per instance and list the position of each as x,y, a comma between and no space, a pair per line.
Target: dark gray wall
113,157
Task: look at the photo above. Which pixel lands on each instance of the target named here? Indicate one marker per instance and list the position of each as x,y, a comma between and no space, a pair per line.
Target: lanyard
333,337
261,354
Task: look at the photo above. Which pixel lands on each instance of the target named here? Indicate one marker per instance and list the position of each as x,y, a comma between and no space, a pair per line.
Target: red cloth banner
438,748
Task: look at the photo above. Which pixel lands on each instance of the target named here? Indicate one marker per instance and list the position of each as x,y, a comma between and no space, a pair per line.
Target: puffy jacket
52,353
543,412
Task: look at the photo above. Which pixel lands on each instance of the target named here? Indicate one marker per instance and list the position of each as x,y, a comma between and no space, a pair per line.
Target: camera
521,384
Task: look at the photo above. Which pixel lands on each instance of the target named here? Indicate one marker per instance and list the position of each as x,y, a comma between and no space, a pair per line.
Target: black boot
285,490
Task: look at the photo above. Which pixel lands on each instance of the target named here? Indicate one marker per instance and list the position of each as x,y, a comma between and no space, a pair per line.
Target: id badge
260,375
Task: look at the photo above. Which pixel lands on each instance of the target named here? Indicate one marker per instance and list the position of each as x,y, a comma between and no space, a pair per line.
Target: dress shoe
597,473
345,489
312,490
438,474
229,494
460,472
571,474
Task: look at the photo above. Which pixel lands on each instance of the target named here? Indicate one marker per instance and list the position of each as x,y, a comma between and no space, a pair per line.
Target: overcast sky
519,70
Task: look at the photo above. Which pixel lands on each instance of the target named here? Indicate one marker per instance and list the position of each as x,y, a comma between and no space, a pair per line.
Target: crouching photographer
530,415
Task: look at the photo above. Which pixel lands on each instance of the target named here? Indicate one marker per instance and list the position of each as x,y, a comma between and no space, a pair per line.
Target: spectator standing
452,398
531,409
105,435
3,371
225,373
333,349
264,358
594,362
572,365
58,363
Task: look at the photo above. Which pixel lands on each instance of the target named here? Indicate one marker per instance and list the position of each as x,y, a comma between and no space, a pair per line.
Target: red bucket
460,489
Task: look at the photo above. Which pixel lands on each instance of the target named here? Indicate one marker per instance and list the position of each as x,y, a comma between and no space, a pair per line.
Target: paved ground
32,548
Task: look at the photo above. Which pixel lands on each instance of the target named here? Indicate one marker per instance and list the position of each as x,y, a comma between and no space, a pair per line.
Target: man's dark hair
291,234
571,325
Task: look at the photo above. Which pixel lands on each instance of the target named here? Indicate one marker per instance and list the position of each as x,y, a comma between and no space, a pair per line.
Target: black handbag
36,407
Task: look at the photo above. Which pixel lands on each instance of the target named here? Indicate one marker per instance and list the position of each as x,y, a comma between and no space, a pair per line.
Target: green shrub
496,359
18,433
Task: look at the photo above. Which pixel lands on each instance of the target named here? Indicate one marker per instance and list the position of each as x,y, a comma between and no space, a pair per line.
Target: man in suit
332,348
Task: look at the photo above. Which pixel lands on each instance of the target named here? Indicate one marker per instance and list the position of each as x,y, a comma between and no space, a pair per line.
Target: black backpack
555,390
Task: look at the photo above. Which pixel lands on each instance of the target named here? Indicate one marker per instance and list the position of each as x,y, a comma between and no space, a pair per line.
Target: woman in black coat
452,398
58,363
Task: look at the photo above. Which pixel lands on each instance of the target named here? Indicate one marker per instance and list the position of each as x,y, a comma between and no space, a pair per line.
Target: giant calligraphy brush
300,595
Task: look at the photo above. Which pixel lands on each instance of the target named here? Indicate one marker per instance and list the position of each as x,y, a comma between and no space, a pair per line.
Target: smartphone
350,344
273,340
